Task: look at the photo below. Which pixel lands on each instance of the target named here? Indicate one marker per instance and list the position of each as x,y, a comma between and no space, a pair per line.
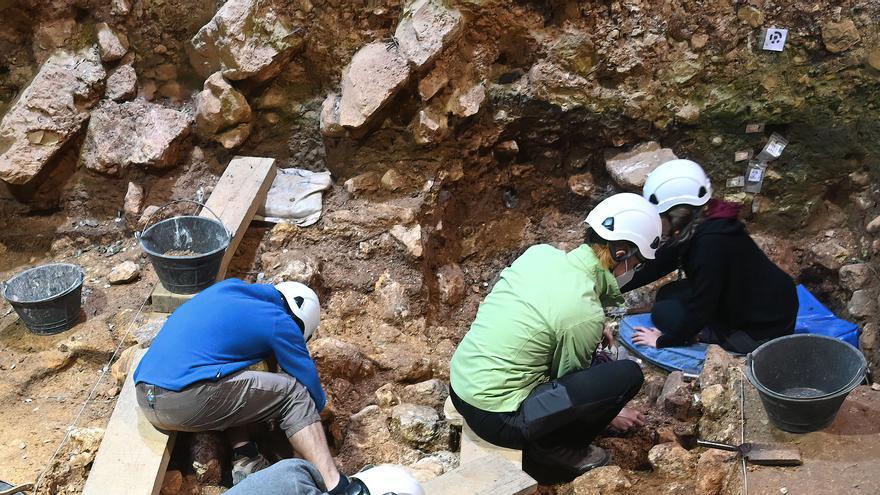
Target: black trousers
670,315
570,411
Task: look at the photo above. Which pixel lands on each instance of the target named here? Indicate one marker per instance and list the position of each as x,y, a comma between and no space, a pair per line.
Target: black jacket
734,286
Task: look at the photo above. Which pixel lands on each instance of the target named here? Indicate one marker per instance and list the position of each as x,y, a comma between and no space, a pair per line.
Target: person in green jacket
522,375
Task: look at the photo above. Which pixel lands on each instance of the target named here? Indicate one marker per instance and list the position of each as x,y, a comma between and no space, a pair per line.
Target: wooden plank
133,455
238,194
474,447
489,475
451,413
164,301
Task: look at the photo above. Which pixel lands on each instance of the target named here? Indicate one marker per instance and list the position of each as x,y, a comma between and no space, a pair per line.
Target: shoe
242,467
578,461
356,487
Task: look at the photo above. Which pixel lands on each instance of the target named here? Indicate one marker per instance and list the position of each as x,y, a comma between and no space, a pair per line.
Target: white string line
742,427
82,409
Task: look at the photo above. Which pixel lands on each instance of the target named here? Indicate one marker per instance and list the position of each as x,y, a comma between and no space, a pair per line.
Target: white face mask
625,277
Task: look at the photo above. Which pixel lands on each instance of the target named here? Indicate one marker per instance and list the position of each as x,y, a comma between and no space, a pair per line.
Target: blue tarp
812,317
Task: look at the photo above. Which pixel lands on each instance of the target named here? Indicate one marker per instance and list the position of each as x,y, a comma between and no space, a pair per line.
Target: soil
180,252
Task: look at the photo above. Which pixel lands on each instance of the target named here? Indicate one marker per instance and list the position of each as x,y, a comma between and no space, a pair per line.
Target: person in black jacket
732,294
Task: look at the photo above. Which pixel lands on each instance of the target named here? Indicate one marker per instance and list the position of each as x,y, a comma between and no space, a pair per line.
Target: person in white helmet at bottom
523,375
732,294
194,376
298,477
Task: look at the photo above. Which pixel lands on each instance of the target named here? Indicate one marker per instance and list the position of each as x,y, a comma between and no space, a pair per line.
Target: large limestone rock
630,170
249,39
48,113
426,28
840,36
415,424
376,72
672,459
112,45
122,83
221,111
134,133
605,480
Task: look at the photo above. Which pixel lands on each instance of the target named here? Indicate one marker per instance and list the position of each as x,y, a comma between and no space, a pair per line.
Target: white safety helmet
677,182
388,478
303,303
628,217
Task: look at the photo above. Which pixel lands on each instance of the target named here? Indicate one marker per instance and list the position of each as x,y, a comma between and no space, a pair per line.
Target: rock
507,149
451,284
465,103
392,298
428,468
136,132
119,370
415,424
676,396
688,114
855,276
222,110
829,254
330,125
122,84
336,358
582,184
605,480
629,170
411,238
207,449
714,401
672,460
431,393
112,46
874,225
717,367
712,468
147,214
750,15
425,29
386,398
373,77
366,182
123,273
48,113
840,36
404,365
430,126
293,266
134,200
863,303
248,39
433,82
172,483
393,180
872,59
85,439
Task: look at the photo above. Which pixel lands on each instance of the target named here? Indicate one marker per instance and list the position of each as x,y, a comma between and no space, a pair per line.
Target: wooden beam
238,194
489,475
474,447
164,301
133,455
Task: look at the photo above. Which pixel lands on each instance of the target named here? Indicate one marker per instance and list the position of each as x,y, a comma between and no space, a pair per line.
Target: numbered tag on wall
754,177
773,149
774,39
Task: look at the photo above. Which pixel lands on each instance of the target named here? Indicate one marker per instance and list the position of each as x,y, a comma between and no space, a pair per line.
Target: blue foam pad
812,317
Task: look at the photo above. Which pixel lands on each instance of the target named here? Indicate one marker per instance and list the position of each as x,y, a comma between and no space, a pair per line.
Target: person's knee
631,373
668,316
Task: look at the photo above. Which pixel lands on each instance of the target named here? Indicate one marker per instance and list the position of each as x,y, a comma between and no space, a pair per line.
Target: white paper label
775,39
755,175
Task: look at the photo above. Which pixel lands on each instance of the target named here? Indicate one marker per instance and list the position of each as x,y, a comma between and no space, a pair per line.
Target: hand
627,418
607,337
646,336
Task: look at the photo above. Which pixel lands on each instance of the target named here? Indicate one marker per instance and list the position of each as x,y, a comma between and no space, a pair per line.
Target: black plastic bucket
47,298
803,379
207,238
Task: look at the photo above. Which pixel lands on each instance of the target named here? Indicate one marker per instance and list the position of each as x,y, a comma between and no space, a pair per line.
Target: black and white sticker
774,40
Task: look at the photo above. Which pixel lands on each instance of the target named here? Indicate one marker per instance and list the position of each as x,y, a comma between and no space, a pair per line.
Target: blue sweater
226,328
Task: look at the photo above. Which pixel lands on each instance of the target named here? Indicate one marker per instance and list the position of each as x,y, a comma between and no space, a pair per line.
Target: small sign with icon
774,39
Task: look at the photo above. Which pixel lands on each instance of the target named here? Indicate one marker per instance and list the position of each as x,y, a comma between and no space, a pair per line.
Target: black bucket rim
846,389
200,255
76,284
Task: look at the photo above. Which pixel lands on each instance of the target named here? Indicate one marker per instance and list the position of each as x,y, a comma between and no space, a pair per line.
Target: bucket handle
140,234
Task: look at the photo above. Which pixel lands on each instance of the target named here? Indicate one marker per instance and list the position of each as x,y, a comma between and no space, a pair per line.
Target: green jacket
542,320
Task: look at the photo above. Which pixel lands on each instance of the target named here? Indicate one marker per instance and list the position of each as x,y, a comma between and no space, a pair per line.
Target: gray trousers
287,477
239,399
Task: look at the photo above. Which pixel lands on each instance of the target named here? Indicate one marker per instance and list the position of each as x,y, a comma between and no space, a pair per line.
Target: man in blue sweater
194,377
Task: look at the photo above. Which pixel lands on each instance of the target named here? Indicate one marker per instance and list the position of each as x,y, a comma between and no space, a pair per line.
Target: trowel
763,454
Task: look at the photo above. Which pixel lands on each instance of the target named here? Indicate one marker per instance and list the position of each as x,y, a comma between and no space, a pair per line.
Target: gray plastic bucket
803,379
205,237
47,298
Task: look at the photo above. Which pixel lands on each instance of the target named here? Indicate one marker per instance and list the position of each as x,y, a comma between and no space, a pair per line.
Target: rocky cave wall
458,133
